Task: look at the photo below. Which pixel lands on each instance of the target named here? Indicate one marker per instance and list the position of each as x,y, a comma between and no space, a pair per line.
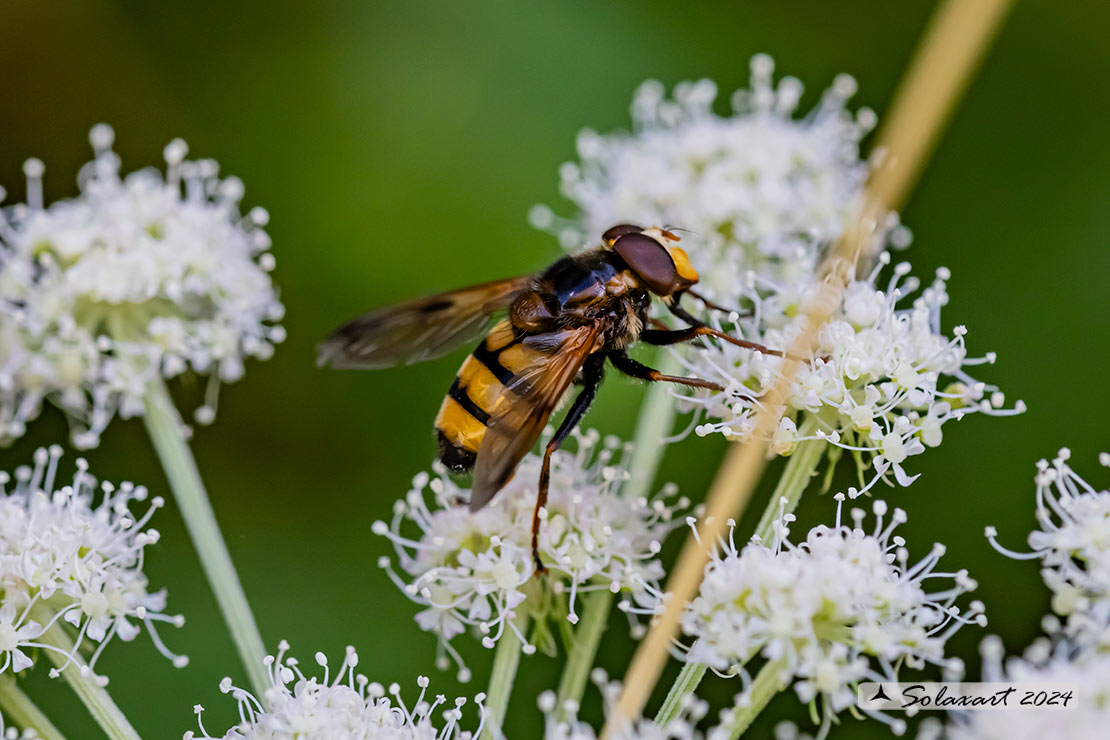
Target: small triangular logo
880,694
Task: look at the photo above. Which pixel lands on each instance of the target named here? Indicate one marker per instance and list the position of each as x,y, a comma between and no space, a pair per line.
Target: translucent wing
419,330
525,405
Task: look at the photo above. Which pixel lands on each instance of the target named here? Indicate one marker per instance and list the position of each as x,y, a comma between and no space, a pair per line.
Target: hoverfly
560,328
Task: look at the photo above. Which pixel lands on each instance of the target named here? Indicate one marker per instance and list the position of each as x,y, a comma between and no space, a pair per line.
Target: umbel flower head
74,559
475,570
760,185
1085,675
138,276
346,705
565,724
1073,545
882,381
844,606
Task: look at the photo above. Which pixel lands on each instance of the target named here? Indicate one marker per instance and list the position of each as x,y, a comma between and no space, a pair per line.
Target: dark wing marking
525,404
419,330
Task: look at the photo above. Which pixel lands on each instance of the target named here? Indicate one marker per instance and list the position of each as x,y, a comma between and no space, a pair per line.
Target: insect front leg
699,328
675,336
592,372
676,308
715,306
630,367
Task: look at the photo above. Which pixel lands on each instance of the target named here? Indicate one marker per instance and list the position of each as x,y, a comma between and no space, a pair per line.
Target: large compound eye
650,261
615,232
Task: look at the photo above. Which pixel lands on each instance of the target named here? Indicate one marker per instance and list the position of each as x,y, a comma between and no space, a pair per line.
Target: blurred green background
398,147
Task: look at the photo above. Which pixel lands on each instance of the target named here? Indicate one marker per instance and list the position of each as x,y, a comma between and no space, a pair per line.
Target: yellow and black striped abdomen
462,419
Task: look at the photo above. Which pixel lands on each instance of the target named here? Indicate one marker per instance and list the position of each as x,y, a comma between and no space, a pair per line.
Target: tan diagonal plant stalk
952,46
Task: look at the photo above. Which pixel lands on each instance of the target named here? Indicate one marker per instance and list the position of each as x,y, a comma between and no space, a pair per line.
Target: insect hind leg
592,373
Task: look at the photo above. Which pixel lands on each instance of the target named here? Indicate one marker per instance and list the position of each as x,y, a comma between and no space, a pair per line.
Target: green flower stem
767,683
581,653
800,468
167,432
81,679
686,683
17,707
655,422
505,662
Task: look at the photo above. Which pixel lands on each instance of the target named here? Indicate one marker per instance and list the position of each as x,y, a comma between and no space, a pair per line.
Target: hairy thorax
583,289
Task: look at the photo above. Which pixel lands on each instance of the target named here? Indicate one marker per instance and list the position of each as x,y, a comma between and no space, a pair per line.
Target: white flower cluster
1087,673
475,570
763,193
758,186
65,561
346,706
566,725
881,383
137,276
1073,546
841,607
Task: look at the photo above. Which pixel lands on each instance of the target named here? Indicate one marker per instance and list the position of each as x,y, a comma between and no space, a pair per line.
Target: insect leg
674,336
715,306
592,372
635,369
676,308
699,328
